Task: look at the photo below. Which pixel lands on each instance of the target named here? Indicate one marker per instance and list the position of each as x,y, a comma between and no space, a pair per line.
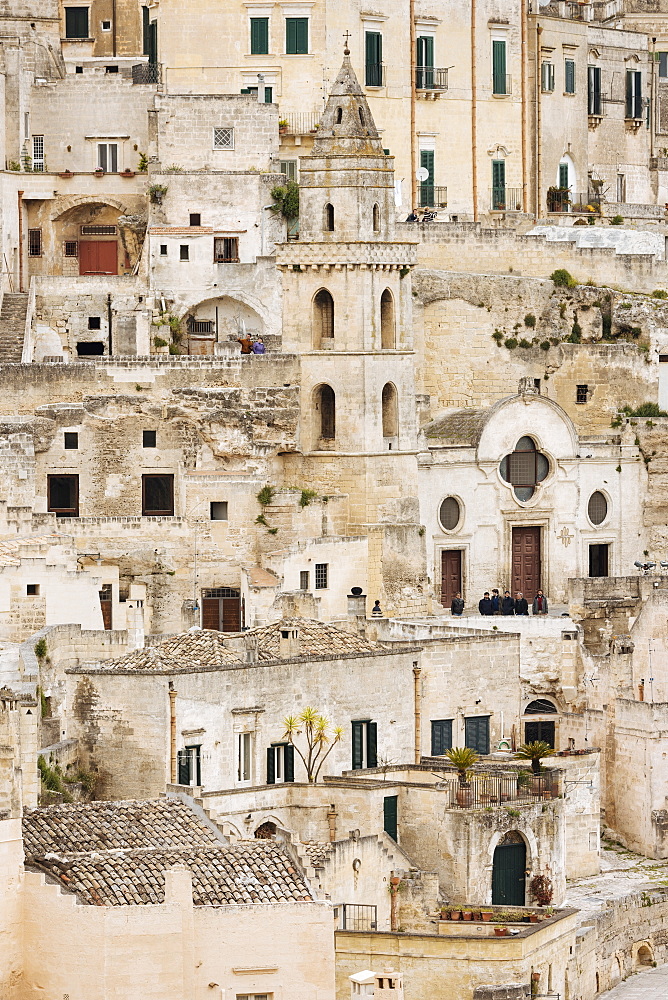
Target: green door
390,816
425,63
498,185
427,187
509,875
563,175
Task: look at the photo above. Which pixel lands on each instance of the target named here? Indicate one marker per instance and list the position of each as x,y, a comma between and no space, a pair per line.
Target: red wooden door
223,614
526,561
211,613
451,575
98,257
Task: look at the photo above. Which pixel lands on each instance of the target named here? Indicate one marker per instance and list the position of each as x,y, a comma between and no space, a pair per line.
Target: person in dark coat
457,605
507,604
540,604
485,604
496,602
521,606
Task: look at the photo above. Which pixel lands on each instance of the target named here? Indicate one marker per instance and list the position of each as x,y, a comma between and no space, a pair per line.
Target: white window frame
108,155
244,751
278,750
38,158
223,128
547,76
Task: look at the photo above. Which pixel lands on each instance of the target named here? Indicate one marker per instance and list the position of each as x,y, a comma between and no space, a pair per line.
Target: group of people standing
250,346
495,604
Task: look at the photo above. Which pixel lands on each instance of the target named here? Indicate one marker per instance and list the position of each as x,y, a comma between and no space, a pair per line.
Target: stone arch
324,409
265,831
387,321
643,955
338,118
76,201
258,316
323,319
221,319
390,410
615,970
328,222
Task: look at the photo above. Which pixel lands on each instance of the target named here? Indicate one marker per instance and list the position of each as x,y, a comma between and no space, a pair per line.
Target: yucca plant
463,758
534,752
321,738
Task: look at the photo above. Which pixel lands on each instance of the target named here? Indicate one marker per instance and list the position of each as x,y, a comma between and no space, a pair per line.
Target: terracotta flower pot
501,931
486,915
455,915
533,918
467,915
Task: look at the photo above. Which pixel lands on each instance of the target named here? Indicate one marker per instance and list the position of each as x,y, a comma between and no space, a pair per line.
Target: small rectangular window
195,219
476,733
163,249
107,157
94,323
106,25
581,392
223,138
38,153
32,589
569,76
111,69
244,756
190,766
321,576
157,495
78,69
304,579
63,495
71,440
184,252
259,36
373,67
34,242
280,763
218,510
98,230
71,248
149,439
226,249
296,36
76,22
547,77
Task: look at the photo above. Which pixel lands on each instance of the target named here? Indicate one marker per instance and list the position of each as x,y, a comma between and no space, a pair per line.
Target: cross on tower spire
346,50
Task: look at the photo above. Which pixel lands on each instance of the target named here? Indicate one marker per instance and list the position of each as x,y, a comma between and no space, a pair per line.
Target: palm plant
534,752
463,759
321,738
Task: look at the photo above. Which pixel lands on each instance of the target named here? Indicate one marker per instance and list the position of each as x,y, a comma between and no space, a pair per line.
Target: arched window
361,113
325,404
323,319
339,116
597,508
387,326
376,219
540,706
390,411
329,218
524,468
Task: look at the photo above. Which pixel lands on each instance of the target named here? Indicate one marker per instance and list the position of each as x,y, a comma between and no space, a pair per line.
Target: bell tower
347,311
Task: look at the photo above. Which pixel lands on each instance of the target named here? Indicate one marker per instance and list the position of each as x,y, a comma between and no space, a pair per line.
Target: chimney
135,623
288,642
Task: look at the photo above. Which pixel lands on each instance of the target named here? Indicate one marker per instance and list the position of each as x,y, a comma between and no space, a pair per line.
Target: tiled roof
317,854
459,427
116,853
206,648
104,826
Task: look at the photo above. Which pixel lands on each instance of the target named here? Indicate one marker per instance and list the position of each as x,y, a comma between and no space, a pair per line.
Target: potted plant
486,915
282,126
99,172
467,914
541,889
156,193
463,759
535,752
455,914
65,174
128,173
501,930
534,918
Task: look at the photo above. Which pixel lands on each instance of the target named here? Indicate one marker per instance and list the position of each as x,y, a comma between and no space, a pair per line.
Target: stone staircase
12,326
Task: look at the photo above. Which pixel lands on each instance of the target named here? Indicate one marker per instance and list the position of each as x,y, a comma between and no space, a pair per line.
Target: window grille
581,393
34,242
321,574
597,508
223,138
38,153
71,248
98,230
220,592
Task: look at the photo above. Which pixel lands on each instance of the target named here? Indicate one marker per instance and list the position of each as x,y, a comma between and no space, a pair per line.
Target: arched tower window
376,219
325,407
323,319
387,325
339,116
390,411
329,218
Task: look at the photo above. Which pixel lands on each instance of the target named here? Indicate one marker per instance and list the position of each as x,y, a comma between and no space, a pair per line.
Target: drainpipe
474,112
20,206
394,889
537,85
111,347
113,27
172,734
525,91
418,711
411,63
652,98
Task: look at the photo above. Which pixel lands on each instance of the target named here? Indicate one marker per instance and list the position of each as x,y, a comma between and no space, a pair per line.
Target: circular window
598,508
450,514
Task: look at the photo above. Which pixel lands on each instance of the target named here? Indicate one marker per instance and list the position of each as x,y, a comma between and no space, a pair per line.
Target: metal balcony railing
374,75
558,199
519,788
357,917
302,122
429,78
506,199
146,73
433,196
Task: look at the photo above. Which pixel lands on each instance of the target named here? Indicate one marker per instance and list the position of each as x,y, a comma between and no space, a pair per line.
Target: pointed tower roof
347,125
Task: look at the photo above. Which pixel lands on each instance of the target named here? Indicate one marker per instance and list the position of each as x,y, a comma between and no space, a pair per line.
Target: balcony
146,73
429,78
558,199
301,122
505,199
374,75
432,196
516,787
200,327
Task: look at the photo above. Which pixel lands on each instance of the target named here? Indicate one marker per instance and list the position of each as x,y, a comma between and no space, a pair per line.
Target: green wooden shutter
259,36
271,766
358,731
371,744
153,43
427,187
563,175
145,21
288,762
296,36
425,51
390,815
374,59
629,94
76,22
498,185
268,95
569,75
498,67
637,95
441,736
184,768
476,733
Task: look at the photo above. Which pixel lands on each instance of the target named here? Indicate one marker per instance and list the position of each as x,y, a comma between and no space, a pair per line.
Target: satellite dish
422,174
